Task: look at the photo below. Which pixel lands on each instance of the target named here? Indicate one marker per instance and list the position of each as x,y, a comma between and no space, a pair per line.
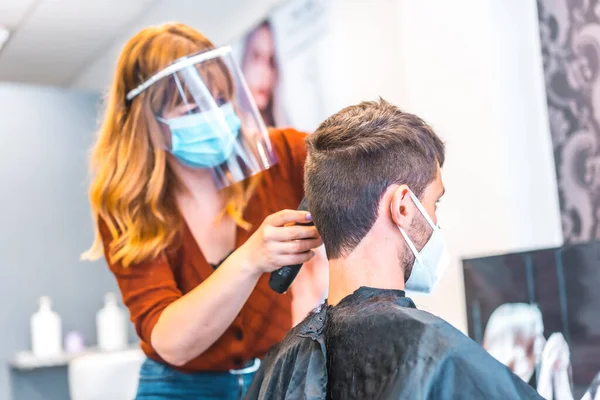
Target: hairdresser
194,199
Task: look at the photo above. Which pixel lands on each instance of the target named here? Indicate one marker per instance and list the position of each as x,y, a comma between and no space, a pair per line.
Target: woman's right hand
277,243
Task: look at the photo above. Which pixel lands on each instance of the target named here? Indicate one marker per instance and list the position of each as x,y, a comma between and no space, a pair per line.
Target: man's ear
400,206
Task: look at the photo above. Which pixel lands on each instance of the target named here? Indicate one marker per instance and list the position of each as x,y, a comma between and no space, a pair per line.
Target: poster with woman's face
260,68
278,59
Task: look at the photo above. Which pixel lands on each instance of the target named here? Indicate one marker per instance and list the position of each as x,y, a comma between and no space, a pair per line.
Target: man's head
362,164
514,335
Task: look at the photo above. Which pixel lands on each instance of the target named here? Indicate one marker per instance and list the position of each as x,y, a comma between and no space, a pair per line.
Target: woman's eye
220,100
193,110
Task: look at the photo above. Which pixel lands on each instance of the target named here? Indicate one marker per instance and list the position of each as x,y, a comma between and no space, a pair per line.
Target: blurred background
510,86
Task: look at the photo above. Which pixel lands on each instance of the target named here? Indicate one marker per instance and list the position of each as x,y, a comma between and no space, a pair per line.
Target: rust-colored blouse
148,288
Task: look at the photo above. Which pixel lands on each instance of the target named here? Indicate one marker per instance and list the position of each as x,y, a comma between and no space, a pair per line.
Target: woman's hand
554,380
556,353
189,325
278,243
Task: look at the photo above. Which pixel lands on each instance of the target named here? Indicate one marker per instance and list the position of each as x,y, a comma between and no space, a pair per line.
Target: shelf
26,361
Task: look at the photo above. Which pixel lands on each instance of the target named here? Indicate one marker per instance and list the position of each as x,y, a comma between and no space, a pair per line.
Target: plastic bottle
111,325
46,331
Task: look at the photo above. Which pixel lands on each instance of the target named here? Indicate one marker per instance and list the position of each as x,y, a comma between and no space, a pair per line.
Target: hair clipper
281,279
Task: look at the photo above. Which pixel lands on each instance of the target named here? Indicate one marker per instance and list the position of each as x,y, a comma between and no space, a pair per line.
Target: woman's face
180,101
217,80
259,66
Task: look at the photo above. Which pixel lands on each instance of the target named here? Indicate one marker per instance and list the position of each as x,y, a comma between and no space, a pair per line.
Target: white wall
45,137
361,55
472,69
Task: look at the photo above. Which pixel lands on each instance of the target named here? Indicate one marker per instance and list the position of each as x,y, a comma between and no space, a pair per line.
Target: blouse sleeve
290,145
147,288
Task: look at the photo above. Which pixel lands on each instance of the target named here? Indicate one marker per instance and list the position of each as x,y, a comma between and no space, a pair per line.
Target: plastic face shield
211,116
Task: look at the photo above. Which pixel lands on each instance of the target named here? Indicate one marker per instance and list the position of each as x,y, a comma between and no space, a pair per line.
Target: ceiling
52,41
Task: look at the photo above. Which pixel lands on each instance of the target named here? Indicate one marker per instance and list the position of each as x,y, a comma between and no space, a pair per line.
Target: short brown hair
353,157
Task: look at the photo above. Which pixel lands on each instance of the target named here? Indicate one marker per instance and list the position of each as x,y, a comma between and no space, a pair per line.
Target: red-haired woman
193,197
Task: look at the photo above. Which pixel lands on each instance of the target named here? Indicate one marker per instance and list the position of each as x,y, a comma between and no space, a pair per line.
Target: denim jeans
159,381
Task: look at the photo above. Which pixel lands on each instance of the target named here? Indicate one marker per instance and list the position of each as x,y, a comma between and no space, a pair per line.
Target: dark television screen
562,285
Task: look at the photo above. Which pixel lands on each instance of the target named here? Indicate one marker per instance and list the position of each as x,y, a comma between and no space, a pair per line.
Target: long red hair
133,185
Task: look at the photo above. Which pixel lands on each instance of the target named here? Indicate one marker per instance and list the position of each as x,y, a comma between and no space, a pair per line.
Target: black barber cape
375,344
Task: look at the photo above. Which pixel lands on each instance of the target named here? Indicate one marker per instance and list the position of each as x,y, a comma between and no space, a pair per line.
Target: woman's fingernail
308,217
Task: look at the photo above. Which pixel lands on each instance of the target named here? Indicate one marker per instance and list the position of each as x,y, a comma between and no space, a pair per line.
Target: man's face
419,230
526,354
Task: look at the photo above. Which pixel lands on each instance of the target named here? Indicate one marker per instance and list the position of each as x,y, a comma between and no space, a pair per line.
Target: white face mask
433,259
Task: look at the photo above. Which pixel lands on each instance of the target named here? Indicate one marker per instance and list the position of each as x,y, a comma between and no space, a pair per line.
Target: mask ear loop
422,210
166,142
409,242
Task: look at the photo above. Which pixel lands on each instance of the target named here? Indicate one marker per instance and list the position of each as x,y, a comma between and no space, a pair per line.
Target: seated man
372,181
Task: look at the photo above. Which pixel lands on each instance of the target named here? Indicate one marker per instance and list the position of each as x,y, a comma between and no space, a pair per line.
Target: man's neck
371,264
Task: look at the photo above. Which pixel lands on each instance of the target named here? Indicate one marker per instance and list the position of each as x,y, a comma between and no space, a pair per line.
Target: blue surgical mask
201,140
431,262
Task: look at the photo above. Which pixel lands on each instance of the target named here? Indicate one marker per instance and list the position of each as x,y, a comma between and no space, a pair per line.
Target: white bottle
46,331
111,325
